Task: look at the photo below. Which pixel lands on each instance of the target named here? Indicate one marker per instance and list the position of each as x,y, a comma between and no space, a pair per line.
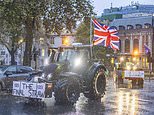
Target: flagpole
91,44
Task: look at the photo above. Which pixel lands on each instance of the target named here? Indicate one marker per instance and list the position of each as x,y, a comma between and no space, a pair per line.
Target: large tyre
134,83
1,87
67,90
140,83
119,80
97,86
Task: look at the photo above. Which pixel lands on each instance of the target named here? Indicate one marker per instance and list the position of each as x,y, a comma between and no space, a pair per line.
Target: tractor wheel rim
100,84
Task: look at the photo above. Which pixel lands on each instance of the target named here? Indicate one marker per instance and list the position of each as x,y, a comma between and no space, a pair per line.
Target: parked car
10,73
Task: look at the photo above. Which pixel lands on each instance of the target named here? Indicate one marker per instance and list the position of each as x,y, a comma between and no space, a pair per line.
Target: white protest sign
28,89
134,74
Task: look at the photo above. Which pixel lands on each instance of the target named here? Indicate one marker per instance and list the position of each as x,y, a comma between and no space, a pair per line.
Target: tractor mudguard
94,68
68,75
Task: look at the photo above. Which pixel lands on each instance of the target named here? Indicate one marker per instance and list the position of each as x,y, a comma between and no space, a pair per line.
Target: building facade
136,29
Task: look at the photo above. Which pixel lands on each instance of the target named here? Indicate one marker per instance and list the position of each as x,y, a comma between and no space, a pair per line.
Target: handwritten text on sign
136,74
28,89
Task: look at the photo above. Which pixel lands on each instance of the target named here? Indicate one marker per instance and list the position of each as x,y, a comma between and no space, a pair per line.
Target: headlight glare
128,68
77,62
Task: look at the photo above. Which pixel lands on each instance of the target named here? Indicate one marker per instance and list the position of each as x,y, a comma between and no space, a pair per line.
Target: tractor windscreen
75,57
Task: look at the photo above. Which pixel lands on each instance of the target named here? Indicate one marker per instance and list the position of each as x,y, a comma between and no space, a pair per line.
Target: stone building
135,24
134,33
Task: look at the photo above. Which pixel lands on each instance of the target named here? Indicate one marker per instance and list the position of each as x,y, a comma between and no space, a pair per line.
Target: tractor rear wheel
97,86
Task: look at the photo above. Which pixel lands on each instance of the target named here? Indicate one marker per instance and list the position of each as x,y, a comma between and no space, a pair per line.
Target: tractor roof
72,47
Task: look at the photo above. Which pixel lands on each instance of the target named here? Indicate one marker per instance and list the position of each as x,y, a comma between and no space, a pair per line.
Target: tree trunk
12,52
29,41
12,58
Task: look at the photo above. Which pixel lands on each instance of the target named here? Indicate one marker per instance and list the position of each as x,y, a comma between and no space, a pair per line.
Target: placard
28,89
134,74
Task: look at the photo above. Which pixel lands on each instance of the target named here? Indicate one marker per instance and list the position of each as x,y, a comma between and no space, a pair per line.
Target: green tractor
71,71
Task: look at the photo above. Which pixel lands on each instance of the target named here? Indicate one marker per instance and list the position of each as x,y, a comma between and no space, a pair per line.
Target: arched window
136,44
127,46
114,27
129,27
138,26
147,25
121,27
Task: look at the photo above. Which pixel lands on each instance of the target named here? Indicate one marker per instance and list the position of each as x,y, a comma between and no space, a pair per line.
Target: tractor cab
75,58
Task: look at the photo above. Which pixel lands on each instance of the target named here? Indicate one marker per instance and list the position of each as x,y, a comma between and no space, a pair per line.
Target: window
2,52
138,26
147,25
129,27
127,46
136,44
22,69
114,27
121,27
12,69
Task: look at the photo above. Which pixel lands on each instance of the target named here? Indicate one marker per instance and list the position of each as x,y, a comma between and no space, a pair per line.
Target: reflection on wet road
117,101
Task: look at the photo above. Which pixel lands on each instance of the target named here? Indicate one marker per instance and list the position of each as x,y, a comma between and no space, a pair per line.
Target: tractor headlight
49,76
128,67
134,67
46,61
77,62
43,75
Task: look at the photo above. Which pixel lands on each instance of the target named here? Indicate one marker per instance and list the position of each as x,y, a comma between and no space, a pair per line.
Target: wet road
117,101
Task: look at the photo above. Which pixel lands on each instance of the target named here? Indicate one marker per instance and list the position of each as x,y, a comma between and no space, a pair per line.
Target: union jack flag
105,36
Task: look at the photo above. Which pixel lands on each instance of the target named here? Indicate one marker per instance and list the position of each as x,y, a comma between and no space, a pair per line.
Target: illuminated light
43,52
128,67
46,61
121,59
136,52
77,62
41,39
20,41
49,85
112,60
134,59
134,67
66,41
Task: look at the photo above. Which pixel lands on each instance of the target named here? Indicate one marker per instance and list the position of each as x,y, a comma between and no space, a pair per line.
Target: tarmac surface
117,101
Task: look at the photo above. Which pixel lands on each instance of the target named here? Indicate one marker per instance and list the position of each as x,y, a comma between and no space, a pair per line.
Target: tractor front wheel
97,86
67,91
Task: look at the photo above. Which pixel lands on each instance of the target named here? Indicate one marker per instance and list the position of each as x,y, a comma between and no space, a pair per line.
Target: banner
28,89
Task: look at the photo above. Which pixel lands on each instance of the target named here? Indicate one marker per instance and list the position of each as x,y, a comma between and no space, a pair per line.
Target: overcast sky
103,4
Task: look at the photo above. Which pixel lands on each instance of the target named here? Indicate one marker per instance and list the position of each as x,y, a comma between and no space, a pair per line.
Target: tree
11,29
83,31
54,15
